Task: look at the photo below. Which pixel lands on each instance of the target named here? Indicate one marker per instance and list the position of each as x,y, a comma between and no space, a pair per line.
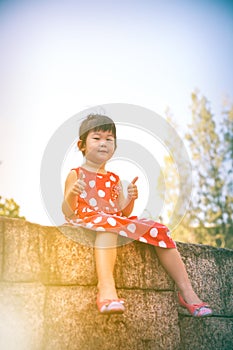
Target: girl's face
100,146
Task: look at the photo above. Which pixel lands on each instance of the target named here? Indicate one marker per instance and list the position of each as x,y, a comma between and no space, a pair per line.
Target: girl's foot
108,301
110,306
107,293
190,296
195,309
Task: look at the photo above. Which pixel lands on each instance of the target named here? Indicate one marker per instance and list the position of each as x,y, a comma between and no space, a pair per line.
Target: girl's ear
80,147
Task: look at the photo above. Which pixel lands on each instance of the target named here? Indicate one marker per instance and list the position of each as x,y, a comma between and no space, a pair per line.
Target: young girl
94,199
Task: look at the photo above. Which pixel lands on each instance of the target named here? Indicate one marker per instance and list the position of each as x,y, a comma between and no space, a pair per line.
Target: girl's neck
98,168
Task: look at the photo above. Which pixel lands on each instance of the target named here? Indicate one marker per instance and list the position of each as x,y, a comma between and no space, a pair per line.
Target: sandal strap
111,306
107,302
199,310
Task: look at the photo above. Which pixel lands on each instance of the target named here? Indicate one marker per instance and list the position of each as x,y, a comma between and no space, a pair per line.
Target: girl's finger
134,180
81,175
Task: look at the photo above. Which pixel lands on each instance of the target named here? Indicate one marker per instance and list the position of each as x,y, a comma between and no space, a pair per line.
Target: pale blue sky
60,57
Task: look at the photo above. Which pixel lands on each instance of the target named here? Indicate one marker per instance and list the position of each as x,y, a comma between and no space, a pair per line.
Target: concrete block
207,333
48,294
21,316
21,251
73,322
138,267
65,261
211,272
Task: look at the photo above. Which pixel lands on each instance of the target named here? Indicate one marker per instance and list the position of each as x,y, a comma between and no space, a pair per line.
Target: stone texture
65,261
209,333
21,251
211,272
224,259
79,235
21,320
69,263
137,266
48,294
73,322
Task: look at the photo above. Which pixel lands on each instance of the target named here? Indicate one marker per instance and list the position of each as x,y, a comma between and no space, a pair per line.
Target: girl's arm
73,187
127,204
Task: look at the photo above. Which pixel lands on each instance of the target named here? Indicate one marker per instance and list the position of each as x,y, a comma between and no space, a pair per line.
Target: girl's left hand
132,189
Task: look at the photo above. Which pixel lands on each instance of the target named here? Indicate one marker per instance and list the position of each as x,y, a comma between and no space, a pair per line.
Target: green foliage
9,208
211,151
209,219
177,187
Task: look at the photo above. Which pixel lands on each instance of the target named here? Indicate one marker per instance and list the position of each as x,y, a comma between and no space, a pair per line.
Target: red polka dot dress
98,209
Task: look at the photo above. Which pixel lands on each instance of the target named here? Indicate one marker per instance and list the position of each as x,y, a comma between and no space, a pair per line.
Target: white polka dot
169,233
153,232
96,208
99,176
83,194
89,210
101,193
111,221
89,225
111,202
97,220
92,183
131,228
107,184
142,239
112,178
92,202
162,244
84,210
100,229
123,233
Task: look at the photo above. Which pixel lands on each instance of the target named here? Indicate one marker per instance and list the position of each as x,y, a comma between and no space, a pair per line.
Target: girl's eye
111,140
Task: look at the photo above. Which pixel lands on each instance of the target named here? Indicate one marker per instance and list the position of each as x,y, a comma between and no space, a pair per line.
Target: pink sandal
110,306
196,310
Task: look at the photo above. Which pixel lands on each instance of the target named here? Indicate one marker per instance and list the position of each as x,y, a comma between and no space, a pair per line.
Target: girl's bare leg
105,258
173,264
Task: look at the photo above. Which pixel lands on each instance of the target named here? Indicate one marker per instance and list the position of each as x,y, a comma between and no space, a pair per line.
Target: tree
226,129
211,149
9,208
175,184
209,217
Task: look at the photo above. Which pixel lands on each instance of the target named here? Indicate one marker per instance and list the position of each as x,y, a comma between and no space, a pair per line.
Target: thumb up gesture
80,184
132,189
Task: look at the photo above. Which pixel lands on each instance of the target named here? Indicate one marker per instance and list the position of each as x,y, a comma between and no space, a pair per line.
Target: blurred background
173,57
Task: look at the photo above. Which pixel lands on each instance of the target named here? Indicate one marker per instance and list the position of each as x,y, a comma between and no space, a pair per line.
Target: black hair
95,122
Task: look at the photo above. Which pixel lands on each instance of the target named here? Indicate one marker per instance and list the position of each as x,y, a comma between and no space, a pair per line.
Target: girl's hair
95,122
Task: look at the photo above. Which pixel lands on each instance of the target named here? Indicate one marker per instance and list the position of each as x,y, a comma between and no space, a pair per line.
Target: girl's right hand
132,189
79,185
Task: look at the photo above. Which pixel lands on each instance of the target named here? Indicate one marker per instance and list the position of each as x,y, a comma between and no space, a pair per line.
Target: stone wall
48,293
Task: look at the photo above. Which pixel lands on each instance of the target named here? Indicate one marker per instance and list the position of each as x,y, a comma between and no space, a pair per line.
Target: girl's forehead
100,132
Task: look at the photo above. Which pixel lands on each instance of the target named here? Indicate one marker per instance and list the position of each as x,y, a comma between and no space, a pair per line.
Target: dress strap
77,170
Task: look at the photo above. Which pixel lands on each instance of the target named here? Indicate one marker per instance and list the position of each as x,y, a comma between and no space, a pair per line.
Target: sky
61,57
